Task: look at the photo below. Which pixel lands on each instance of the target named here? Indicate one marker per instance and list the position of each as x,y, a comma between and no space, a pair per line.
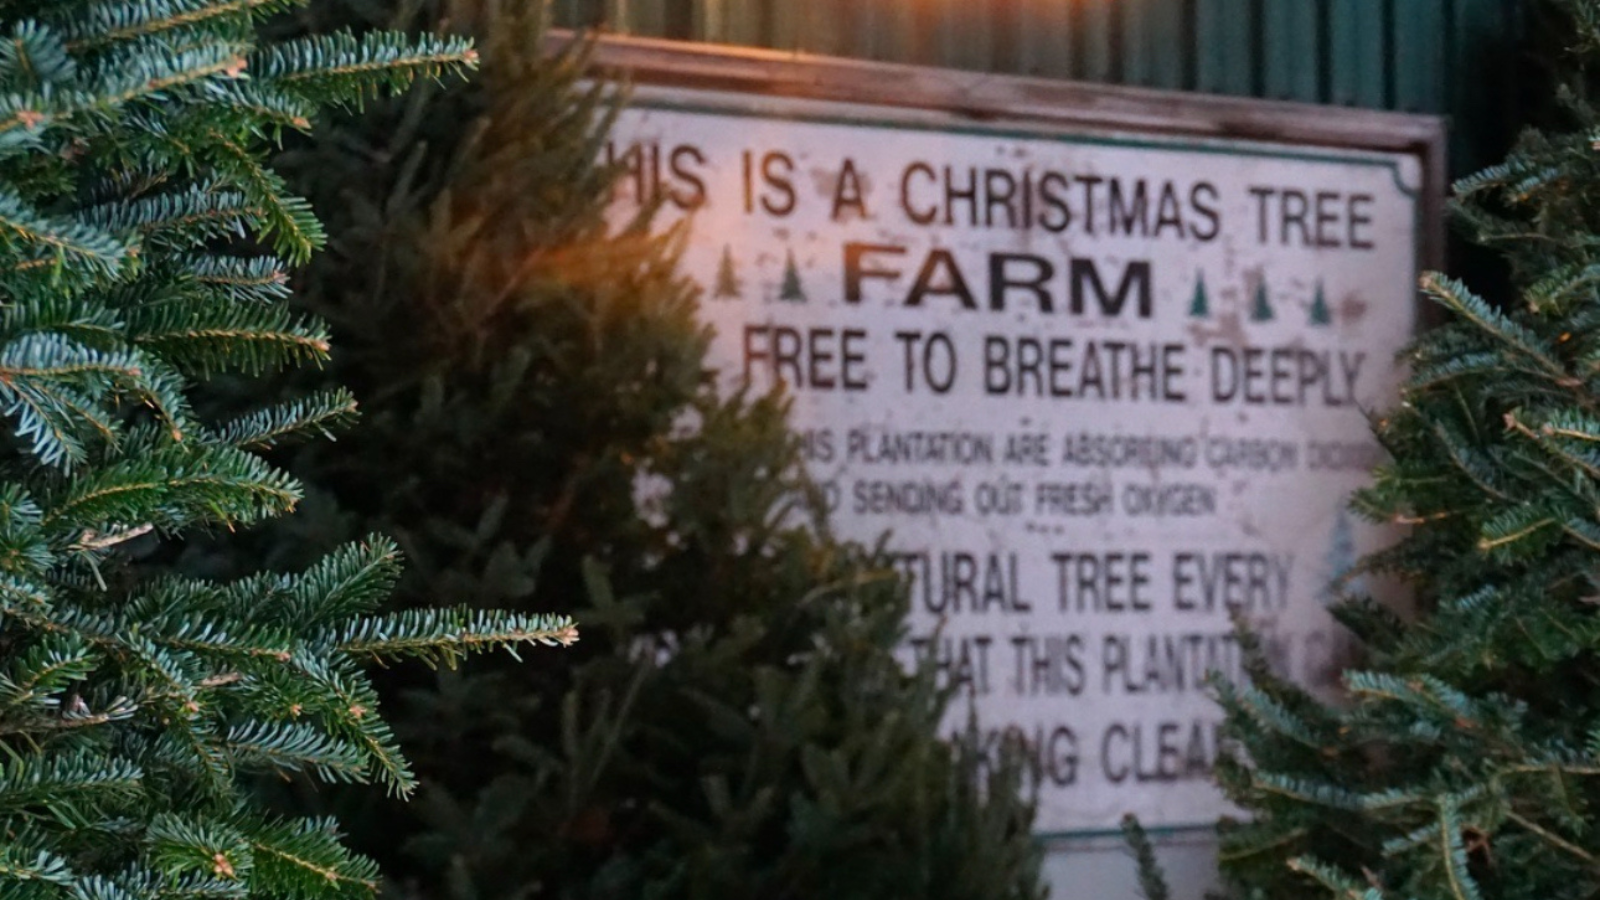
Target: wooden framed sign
1099,360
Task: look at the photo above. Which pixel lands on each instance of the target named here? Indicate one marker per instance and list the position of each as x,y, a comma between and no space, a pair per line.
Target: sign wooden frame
938,99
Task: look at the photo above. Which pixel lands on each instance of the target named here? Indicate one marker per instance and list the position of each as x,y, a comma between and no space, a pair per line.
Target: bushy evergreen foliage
144,246
1467,763
542,432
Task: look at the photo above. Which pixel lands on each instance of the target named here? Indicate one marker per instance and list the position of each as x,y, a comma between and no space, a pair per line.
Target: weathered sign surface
1102,387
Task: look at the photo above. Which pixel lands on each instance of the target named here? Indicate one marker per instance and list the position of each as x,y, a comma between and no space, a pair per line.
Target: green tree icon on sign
727,286
1320,314
791,291
1200,306
1261,310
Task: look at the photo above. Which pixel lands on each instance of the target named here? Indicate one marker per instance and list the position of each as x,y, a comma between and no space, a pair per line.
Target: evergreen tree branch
1554,839
445,636
112,21
69,243
325,66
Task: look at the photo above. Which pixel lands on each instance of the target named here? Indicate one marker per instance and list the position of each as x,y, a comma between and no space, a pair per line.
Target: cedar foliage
1467,763
144,246
542,432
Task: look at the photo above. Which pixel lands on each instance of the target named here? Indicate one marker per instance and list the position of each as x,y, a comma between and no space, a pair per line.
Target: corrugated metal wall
1433,56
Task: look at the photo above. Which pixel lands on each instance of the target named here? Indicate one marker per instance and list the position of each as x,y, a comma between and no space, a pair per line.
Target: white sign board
1102,388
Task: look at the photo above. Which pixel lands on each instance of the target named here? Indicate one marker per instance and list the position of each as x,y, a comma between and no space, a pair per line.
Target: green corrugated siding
1356,37
1225,44
1434,56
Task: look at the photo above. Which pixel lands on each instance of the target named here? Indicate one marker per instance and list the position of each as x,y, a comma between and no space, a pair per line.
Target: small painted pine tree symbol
727,287
1200,306
1320,314
1261,310
791,290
